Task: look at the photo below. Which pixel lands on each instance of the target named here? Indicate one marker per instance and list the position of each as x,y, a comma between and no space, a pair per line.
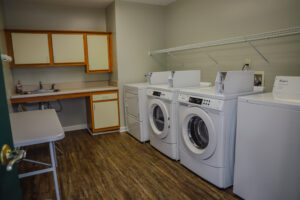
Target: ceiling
96,3
154,2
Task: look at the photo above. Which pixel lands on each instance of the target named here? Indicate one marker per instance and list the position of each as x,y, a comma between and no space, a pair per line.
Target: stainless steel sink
41,91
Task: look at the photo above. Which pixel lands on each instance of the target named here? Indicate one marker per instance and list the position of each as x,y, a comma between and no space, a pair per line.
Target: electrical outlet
248,61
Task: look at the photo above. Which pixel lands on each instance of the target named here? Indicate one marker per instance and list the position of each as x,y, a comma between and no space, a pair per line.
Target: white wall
190,21
140,28
39,16
32,15
111,27
32,76
8,78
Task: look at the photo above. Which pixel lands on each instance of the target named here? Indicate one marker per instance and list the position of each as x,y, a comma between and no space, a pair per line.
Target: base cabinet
104,114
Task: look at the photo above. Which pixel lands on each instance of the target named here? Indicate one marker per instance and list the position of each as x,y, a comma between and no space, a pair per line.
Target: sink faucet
41,86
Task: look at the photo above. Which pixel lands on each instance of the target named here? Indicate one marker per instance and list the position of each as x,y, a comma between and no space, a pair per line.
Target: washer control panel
160,94
201,101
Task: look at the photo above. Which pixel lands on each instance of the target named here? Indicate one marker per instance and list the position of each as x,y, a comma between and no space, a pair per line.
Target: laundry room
150,99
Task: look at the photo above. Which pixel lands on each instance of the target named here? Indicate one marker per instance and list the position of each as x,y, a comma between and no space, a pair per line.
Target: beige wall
192,21
33,15
140,28
111,27
31,76
6,70
27,15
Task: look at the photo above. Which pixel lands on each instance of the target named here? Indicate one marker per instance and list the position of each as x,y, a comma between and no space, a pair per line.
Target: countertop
67,88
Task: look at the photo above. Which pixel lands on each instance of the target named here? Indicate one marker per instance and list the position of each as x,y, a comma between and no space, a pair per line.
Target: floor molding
84,126
123,129
75,127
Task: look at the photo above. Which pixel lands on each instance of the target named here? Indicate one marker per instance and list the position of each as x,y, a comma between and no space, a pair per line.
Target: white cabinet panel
30,48
106,114
98,52
68,48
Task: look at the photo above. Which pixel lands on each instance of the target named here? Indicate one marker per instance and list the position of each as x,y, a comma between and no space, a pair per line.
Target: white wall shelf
248,38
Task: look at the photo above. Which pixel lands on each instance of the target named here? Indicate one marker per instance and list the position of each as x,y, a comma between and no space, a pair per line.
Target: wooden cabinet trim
110,60
10,51
58,31
106,129
92,111
59,96
106,92
50,49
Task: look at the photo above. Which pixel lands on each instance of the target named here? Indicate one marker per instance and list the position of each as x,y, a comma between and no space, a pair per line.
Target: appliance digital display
155,93
195,100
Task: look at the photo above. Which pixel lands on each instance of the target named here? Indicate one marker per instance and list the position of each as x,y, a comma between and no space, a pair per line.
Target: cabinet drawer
101,97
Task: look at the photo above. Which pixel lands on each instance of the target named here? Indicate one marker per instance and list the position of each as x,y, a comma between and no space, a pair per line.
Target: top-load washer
162,111
207,124
267,160
135,103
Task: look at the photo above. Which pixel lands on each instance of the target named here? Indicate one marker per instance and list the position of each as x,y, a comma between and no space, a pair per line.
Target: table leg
53,157
54,149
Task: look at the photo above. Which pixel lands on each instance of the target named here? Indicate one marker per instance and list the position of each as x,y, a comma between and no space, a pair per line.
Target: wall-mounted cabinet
60,48
68,48
99,58
30,48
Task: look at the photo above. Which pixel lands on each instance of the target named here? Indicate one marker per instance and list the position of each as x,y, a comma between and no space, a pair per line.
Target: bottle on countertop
19,87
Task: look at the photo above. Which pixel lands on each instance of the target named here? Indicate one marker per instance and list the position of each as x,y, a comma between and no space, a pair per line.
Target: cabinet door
68,48
106,114
30,48
98,52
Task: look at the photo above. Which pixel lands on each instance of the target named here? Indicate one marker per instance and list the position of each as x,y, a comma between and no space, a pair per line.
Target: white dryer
207,124
135,103
267,157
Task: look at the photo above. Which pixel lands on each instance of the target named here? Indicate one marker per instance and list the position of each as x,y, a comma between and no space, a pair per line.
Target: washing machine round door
198,132
158,117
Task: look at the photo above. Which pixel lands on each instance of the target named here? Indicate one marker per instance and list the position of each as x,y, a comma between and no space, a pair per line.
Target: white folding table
36,127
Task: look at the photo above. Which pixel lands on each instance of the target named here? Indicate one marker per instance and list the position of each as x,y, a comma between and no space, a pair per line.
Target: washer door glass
158,118
198,133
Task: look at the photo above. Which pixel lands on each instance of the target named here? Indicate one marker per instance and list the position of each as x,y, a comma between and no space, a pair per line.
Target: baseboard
75,127
123,129
84,126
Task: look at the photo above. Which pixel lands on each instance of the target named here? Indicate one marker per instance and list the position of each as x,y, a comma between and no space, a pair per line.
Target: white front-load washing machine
162,122
207,124
163,118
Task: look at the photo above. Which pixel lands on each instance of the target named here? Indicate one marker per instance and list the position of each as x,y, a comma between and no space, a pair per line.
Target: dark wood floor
114,166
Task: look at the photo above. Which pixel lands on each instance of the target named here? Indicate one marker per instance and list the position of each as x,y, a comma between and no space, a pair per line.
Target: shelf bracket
258,52
214,60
